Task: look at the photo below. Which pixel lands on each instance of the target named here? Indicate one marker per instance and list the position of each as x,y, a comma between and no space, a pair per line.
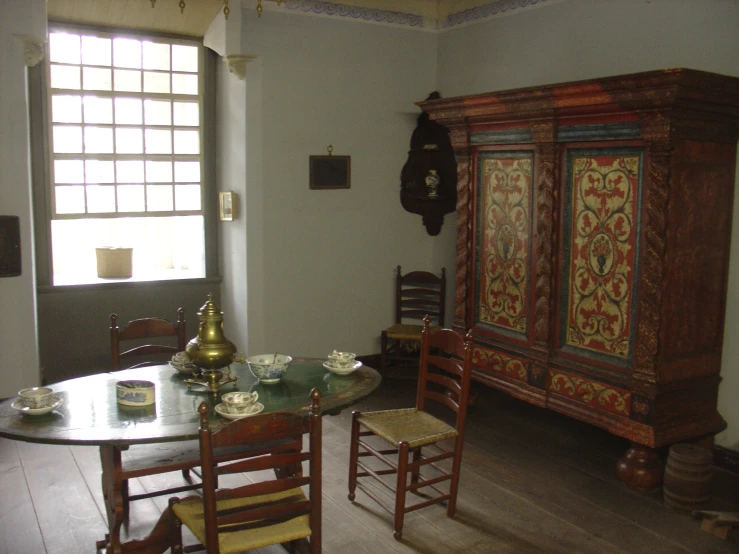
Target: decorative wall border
358,13
496,8
493,9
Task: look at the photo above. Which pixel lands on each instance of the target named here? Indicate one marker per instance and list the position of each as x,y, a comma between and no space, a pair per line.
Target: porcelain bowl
342,359
134,393
269,368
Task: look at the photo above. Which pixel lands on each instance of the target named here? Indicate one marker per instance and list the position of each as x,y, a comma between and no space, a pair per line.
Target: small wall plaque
330,172
10,246
227,206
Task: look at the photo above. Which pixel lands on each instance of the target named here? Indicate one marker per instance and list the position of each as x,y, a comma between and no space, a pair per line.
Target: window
125,144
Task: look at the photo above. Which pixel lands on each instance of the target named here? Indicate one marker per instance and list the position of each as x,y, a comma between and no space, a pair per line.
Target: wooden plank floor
532,481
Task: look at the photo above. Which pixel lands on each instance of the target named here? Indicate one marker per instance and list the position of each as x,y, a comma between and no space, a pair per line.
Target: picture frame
10,246
330,172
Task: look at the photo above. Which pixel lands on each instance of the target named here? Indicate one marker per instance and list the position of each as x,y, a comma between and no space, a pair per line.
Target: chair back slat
443,399
139,330
262,462
280,510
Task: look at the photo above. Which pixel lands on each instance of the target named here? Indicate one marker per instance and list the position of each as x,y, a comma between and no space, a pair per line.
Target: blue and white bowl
269,368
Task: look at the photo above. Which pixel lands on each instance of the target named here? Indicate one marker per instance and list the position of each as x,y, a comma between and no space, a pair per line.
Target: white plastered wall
19,360
320,263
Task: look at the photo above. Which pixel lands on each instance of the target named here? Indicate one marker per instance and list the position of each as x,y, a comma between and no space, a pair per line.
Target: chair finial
203,410
315,396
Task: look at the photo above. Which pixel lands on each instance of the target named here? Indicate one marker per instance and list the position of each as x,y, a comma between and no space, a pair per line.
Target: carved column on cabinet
544,136
640,468
461,145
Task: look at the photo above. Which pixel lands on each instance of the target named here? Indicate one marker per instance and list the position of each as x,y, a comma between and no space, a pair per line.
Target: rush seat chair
417,439
417,294
261,512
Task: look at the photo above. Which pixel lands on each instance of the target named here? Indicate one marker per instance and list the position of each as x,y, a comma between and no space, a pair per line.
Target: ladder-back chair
260,513
410,431
417,294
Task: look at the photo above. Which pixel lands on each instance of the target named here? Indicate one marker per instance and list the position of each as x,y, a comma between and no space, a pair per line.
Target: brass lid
210,308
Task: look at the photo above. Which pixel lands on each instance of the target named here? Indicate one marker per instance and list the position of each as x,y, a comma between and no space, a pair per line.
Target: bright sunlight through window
126,165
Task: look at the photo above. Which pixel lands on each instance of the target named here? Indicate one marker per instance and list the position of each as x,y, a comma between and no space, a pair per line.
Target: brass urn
210,349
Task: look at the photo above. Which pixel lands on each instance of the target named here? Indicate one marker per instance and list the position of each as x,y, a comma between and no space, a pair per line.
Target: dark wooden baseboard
726,459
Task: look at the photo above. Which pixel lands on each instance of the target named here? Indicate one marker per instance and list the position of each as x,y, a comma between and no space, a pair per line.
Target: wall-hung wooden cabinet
594,222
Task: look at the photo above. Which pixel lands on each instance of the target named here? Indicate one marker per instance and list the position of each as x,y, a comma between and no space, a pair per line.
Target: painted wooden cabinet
593,232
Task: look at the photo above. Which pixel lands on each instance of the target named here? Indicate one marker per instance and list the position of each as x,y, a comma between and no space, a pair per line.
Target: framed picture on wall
330,172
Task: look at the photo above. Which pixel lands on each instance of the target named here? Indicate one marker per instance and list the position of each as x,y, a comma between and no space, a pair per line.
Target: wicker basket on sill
114,262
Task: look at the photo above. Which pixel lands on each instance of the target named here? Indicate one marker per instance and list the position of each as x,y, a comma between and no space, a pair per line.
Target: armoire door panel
602,189
503,242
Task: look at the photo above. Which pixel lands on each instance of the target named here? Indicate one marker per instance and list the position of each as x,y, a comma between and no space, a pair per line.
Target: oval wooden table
90,415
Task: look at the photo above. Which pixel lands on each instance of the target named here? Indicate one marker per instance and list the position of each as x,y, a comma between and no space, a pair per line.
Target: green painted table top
90,414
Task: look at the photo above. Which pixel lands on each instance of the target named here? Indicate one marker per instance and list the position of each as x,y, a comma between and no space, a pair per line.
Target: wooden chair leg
401,488
454,484
125,501
415,474
383,353
175,529
353,455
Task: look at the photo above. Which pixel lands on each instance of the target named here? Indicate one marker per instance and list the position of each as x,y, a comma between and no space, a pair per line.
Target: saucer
56,402
222,411
342,370
188,369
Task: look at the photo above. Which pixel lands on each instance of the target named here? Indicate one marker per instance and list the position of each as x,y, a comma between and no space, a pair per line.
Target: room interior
307,271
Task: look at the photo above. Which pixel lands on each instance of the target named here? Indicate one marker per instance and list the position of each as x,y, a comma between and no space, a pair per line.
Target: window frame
42,158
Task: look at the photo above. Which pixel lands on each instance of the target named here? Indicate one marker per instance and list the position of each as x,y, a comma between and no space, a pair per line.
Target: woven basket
114,262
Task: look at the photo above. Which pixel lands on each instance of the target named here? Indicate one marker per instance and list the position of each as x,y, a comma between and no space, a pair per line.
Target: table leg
114,489
110,460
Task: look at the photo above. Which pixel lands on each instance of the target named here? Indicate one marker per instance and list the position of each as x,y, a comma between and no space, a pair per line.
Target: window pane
98,140
69,171
129,141
184,58
159,198
64,76
127,80
131,198
187,197
128,111
187,142
70,200
127,53
187,172
67,139
66,109
64,48
98,171
156,82
186,113
157,112
96,51
100,199
95,78
98,110
156,56
159,172
184,84
158,142
129,171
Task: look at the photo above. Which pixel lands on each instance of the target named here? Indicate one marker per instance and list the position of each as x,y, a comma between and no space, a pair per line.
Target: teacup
341,359
36,397
240,402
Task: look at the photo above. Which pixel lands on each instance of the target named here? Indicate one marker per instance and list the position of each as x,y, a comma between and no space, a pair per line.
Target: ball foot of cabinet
640,469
